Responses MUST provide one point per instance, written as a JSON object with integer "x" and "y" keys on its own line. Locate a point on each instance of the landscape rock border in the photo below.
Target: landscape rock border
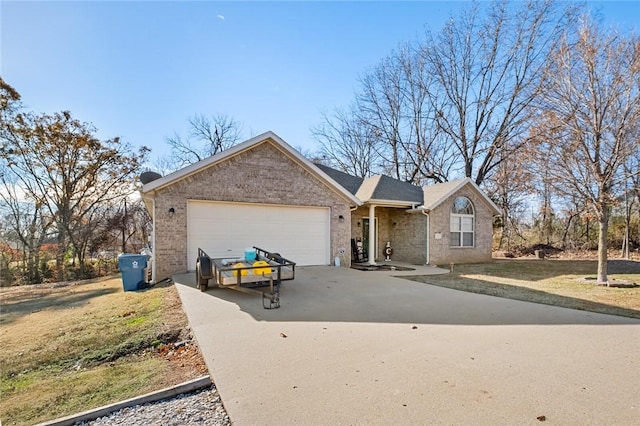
{"x": 186, "y": 387}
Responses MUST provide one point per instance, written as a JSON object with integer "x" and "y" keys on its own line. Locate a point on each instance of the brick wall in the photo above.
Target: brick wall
{"x": 263, "y": 174}
{"x": 409, "y": 237}
{"x": 441, "y": 252}
{"x": 406, "y": 233}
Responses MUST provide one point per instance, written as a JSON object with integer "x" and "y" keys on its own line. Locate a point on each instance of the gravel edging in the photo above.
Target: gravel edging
{"x": 200, "y": 391}
{"x": 202, "y": 407}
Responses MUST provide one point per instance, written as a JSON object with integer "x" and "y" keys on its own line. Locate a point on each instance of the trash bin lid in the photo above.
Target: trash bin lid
{"x": 128, "y": 259}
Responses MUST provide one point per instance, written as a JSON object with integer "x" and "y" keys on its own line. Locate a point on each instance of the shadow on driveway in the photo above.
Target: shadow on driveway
{"x": 326, "y": 294}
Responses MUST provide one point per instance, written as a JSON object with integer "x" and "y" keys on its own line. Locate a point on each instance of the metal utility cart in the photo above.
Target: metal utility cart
{"x": 262, "y": 276}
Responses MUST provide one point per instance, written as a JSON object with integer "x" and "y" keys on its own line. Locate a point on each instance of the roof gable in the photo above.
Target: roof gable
{"x": 366, "y": 190}
{"x": 434, "y": 195}
{"x": 267, "y": 137}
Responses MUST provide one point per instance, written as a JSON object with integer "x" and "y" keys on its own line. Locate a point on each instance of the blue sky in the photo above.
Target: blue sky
{"x": 138, "y": 69}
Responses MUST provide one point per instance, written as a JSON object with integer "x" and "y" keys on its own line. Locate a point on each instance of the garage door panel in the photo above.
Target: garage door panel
{"x": 226, "y": 229}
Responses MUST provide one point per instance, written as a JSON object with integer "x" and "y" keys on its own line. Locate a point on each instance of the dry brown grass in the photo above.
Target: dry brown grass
{"x": 566, "y": 283}
{"x": 66, "y": 348}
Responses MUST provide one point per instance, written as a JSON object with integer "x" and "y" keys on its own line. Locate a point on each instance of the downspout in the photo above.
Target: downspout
{"x": 153, "y": 243}
{"x": 153, "y": 239}
{"x": 428, "y": 235}
{"x": 350, "y": 254}
{"x": 372, "y": 234}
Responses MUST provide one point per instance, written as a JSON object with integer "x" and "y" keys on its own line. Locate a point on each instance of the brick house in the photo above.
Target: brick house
{"x": 264, "y": 193}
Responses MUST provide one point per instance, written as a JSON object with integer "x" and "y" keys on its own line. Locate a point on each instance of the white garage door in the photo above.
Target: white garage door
{"x": 300, "y": 234}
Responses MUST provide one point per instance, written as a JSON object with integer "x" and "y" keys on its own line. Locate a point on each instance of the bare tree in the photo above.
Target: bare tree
{"x": 631, "y": 198}
{"x": 28, "y": 221}
{"x": 206, "y": 137}
{"x": 593, "y": 92}
{"x": 347, "y": 144}
{"x": 487, "y": 69}
{"x": 393, "y": 105}
{"x": 123, "y": 223}
{"x": 575, "y": 208}
{"x": 427, "y": 154}
{"x": 509, "y": 187}
{"x": 458, "y": 102}
{"x": 162, "y": 164}
{"x": 543, "y": 183}
{"x": 380, "y": 107}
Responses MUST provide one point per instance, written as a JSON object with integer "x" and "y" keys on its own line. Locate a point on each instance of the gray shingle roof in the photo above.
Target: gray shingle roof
{"x": 377, "y": 187}
{"x": 348, "y": 182}
{"x": 385, "y": 188}
{"x": 392, "y": 189}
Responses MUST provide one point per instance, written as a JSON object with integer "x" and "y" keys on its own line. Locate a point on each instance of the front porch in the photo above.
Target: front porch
{"x": 406, "y": 232}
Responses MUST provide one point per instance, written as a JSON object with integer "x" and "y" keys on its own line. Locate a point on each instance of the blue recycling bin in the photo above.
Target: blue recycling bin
{"x": 133, "y": 269}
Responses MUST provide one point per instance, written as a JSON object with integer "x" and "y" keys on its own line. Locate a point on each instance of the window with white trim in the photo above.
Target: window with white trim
{"x": 462, "y": 223}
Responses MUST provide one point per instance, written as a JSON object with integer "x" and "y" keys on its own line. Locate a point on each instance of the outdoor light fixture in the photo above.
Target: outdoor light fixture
{"x": 341, "y": 218}
{"x": 172, "y": 211}
{"x": 358, "y": 224}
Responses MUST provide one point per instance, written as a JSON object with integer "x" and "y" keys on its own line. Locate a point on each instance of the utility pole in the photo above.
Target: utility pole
{"x": 124, "y": 227}
{"x": 627, "y": 221}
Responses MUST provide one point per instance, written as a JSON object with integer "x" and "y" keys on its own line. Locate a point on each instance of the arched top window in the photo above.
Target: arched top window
{"x": 462, "y": 223}
{"x": 462, "y": 205}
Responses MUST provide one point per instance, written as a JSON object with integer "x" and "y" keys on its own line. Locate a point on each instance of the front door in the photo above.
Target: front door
{"x": 365, "y": 237}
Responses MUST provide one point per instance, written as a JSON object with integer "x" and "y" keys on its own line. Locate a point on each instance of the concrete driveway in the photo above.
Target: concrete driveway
{"x": 354, "y": 347}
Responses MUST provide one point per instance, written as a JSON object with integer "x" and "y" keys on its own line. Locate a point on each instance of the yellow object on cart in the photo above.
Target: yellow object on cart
{"x": 242, "y": 271}
{"x": 261, "y": 271}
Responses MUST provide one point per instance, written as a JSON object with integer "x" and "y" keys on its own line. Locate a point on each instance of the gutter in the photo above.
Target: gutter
{"x": 389, "y": 203}
{"x": 418, "y": 209}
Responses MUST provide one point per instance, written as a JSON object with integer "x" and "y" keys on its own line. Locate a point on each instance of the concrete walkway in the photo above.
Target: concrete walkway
{"x": 354, "y": 347}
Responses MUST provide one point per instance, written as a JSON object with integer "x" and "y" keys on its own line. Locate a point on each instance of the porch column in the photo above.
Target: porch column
{"x": 372, "y": 235}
